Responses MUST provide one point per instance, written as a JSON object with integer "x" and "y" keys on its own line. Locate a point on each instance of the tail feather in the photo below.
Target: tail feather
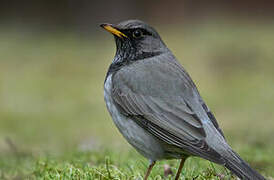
{"x": 241, "y": 169}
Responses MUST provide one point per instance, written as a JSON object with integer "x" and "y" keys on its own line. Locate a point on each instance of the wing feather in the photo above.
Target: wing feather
{"x": 166, "y": 103}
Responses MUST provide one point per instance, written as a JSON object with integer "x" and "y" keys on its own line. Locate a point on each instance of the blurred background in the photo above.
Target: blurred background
{"x": 54, "y": 57}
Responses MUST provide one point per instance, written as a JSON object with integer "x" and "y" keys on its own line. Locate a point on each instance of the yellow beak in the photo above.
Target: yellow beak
{"x": 113, "y": 30}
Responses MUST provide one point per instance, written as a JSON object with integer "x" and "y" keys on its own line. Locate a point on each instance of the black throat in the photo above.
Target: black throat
{"x": 120, "y": 61}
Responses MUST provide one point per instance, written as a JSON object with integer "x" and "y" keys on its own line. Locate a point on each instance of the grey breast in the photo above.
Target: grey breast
{"x": 141, "y": 140}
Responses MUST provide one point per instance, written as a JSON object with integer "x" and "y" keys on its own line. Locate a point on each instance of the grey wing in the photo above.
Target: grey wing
{"x": 169, "y": 118}
{"x": 212, "y": 118}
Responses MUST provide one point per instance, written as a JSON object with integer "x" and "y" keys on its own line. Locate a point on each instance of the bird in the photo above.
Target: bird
{"x": 156, "y": 106}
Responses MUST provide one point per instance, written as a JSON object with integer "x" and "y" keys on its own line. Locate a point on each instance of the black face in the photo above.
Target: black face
{"x": 136, "y": 33}
{"x": 141, "y": 41}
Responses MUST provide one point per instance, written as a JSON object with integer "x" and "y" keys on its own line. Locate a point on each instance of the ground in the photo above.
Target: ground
{"x": 54, "y": 124}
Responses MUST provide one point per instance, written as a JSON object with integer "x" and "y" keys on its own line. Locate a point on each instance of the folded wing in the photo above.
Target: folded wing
{"x": 161, "y": 97}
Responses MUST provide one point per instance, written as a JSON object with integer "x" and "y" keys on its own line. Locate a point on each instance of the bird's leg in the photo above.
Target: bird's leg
{"x": 151, "y": 164}
{"x": 180, "y": 168}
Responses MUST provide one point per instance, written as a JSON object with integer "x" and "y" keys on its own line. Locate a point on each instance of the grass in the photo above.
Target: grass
{"x": 54, "y": 124}
{"x": 103, "y": 165}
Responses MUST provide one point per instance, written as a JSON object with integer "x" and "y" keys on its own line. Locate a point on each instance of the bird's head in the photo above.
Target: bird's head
{"x": 135, "y": 40}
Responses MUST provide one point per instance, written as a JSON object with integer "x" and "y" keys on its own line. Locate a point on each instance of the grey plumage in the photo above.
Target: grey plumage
{"x": 157, "y": 107}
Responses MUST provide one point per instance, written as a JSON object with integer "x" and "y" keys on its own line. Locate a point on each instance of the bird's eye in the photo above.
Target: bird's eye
{"x": 137, "y": 33}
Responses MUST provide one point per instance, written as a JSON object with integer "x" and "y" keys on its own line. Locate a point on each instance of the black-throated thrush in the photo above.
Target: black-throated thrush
{"x": 157, "y": 107}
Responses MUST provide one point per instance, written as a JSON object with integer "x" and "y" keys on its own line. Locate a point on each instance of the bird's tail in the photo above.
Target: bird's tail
{"x": 241, "y": 169}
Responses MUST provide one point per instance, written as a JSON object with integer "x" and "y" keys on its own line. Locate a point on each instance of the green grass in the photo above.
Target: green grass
{"x": 54, "y": 124}
{"x": 103, "y": 165}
